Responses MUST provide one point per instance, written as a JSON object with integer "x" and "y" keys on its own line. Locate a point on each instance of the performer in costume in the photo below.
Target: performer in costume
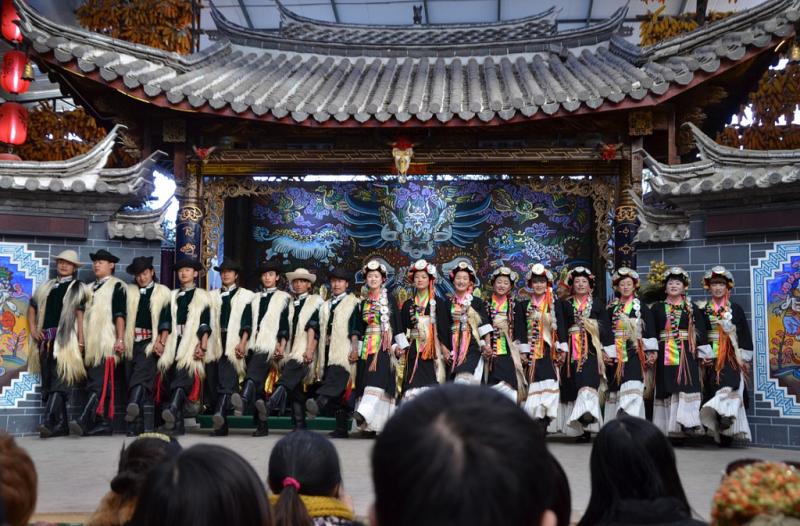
{"x": 376, "y": 383}
{"x": 676, "y": 409}
{"x": 583, "y": 373}
{"x": 631, "y": 347}
{"x": 539, "y": 329}
{"x": 296, "y": 364}
{"x": 104, "y": 327}
{"x": 337, "y": 355}
{"x": 421, "y": 362}
{"x": 725, "y": 368}
{"x": 55, "y": 343}
{"x": 145, "y": 338}
{"x": 231, "y": 328}
{"x": 270, "y": 325}
{"x": 503, "y": 370}
{"x": 188, "y": 343}
{"x": 469, "y": 327}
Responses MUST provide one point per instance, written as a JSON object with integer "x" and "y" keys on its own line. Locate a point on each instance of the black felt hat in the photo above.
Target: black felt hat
{"x": 341, "y": 273}
{"x": 229, "y": 264}
{"x": 268, "y": 266}
{"x": 188, "y": 263}
{"x": 103, "y": 255}
{"x": 139, "y": 265}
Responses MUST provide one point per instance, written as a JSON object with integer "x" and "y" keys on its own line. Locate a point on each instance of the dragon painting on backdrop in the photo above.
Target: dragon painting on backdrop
{"x": 482, "y": 222}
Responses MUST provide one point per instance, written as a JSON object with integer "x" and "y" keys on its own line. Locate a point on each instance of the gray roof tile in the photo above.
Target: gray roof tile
{"x": 339, "y": 75}
{"x": 721, "y": 171}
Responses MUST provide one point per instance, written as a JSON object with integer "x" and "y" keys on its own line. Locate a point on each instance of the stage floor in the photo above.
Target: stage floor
{"x": 74, "y": 473}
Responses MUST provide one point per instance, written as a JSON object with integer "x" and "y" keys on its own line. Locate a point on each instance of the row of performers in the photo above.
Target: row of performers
{"x": 268, "y": 350}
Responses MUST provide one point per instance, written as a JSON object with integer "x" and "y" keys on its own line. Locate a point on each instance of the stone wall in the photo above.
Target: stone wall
{"x": 738, "y": 254}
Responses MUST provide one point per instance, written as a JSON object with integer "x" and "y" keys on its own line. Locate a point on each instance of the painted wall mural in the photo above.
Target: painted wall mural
{"x": 776, "y": 308}
{"x": 486, "y": 223}
{"x": 20, "y": 274}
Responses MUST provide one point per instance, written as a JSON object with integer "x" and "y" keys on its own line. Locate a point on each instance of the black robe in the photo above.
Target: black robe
{"x": 543, "y": 368}
{"x": 425, "y": 372}
{"x": 730, "y": 374}
{"x": 668, "y": 381}
{"x": 470, "y": 362}
{"x": 632, "y": 368}
{"x": 383, "y": 377}
{"x": 574, "y": 375}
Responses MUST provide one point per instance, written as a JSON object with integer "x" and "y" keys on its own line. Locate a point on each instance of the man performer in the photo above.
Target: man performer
{"x": 304, "y": 334}
{"x": 55, "y": 318}
{"x": 146, "y": 334}
{"x": 337, "y": 353}
{"x": 188, "y": 343}
{"x": 104, "y": 327}
{"x": 270, "y": 326}
{"x": 231, "y": 327}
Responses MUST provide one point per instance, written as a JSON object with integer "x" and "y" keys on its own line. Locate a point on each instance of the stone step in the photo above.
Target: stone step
{"x": 275, "y": 422}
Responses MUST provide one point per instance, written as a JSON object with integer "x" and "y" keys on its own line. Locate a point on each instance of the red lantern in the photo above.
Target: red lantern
{"x": 13, "y": 123}
{"x": 11, "y": 76}
{"x": 9, "y": 157}
{"x": 8, "y": 17}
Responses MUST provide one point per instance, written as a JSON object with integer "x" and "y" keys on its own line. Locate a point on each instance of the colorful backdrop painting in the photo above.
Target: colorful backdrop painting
{"x": 20, "y": 274}
{"x": 486, "y": 223}
{"x": 776, "y": 308}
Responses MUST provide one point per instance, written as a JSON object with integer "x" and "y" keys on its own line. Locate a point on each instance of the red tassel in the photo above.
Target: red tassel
{"x": 108, "y": 381}
{"x": 157, "y": 389}
{"x": 194, "y": 395}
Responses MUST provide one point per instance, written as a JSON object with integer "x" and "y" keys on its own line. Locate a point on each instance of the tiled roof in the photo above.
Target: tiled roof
{"x": 331, "y": 81}
{"x": 84, "y": 173}
{"x": 721, "y": 173}
{"x": 138, "y": 224}
{"x": 533, "y": 33}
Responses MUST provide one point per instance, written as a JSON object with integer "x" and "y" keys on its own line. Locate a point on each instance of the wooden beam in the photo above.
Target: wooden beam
{"x": 246, "y": 14}
{"x": 425, "y": 9}
{"x": 589, "y": 12}
{"x": 499, "y": 8}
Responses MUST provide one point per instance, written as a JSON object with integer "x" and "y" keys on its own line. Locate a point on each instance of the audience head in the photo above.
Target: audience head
{"x": 204, "y": 485}
{"x": 764, "y": 492}
{"x": 452, "y": 456}
{"x": 560, "y": 498}
{"x": 302, "y": 463}
{"x": 631, "y": 460}
{"x": 17, "y": 483}
{"x": 138, "y": 459}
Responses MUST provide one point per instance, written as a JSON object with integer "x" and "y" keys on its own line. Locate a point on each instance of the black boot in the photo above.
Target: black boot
{"x": 135, "y": 428}
{"x": 220, "y": 419}
{"x": 55, "y": 418}
{"x": 262, "y": 428}
{"x": 103, "y": 427}
{"x": 340, "y": 431}
{"x": 241, "y": 402}
{"x": 81, "y": 425}
{"x": 278, "y": 399}
{"x": 315, "y": 407}
{"x": 173, "y": 414}
{"x": 134, "y": 409}
{"x": 298, "y": 415}
{"x": 587, "y": 419}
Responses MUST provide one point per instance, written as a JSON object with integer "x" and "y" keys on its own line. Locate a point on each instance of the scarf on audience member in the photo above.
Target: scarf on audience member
{"x": 319, "y": 506}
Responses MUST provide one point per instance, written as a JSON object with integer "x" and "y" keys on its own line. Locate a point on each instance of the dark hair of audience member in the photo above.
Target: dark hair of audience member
{"x": 204, "y": 485}
{"x": 311, "y": 460}
{"x": 631, "y": 460}
{"x": 560, "y": 499}
{"x": 137, "y": 459}
{"x": 460, "y": 455}
{"x": 17, "y": 483}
